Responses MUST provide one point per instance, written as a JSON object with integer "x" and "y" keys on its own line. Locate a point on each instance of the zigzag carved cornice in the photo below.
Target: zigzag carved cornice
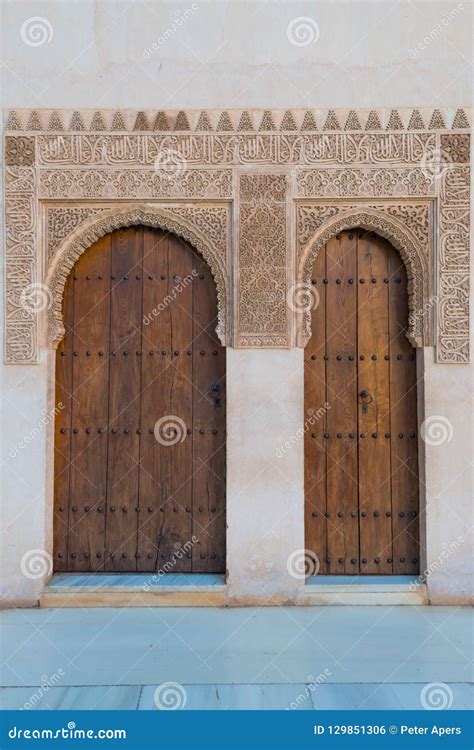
{"x": 238, "y": 121}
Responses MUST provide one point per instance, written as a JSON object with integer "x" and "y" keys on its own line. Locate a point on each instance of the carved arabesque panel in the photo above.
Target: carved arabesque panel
{"x": 405, "y": 173}
{"x": 262, "y": 261}
{"x": 204, "y": 227}
{"x": 401, "y": 224}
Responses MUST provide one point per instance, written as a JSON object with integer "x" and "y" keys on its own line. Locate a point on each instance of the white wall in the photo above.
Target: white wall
{"x": 236, "y": 54}
{"x": 449, "y": 482}
{"x": 265, "y": 480}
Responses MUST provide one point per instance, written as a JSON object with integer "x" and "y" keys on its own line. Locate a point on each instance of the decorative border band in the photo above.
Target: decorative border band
{"x": 256, "y": 192}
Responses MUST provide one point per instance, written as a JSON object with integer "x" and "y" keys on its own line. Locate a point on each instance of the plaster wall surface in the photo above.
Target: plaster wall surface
{"x": 265, "y": 445}
{"x": 226, "y": 55}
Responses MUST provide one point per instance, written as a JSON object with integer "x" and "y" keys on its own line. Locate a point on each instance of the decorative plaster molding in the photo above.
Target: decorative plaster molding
{"x": 389, "y": 168}
{"x": 204, "y": 227}
{"x": 406, "y": 227}
{"x": 262, "y": 261}
{"x": 61, "y": 222}
{"x": 257, "y": 120}
{"x": 369, "y": 182}
{"x": 135, "y": 183}
{"x": 453, "y": 266}
{"x": 224, "y": 149}
{"x": 21, "y": 263}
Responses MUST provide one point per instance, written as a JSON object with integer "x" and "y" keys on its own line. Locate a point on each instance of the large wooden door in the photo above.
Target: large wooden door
{"x": 361, "y": 467}
{"x": 140, "y": 397}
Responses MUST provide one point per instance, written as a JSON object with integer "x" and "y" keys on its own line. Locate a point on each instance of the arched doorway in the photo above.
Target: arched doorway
{"x": 140, "y": 398}
{"x": 361, "y": 456}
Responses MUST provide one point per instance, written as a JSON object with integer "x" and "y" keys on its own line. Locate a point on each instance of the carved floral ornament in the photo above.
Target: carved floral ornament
{"x": 187, "y": 223}
{"x": 245, "y": 188}
{"x": 374, "y": 219}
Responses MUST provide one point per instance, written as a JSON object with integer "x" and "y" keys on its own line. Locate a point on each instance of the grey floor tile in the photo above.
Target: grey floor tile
{"x": 247, "y": 645}
{"x": 226, "y": 697}
{"x": 398, "y": 696}
{"x": 99, "y": 697}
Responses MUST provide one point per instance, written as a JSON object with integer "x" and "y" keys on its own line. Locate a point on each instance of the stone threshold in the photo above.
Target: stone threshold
{"x": 134, "y": 590}
{"x": 365, "y": 590}
{"x": 210, "y": 590}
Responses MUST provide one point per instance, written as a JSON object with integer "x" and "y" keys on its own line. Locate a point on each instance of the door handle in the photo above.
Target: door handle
{"x": 366, "y": 399}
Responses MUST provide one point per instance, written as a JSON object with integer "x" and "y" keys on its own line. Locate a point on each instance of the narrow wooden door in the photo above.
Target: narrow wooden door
{"x": 361, "y": 466}
{"x": 140, "y": 400}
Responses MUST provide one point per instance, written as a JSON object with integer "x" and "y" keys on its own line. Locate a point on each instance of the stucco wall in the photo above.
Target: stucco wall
{"x": 232, "y": 54}
{"x": 265, "y": 509}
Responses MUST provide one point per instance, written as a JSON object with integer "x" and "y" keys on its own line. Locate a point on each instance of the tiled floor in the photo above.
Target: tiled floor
{"x": 300, "y": 697}
{"x": 304, "y": 657}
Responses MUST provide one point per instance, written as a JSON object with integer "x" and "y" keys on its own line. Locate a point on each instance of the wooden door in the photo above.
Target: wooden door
{"x": 361, "y": 466}
{"x": 140, "y": 398}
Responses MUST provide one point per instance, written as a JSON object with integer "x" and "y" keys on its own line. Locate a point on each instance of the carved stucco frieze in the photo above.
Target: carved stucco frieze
{"x": 371, "y": 183}
{"x": 61, "y": 222}
{"x": 405, "y": 226}
{"x": 67, "y": 170}
{"x": 21, "y": 264}
{"x": 206, "y": 228}
{"x": 109, "y": 150}
{"x": 136, "y": 183}
{"x": 262, "y": 261}
{"x": 237, "y": 121}
{"x": 453, "y": 266}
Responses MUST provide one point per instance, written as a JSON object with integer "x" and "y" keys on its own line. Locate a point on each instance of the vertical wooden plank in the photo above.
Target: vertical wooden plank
{"x": 374, "y": 422}
{"x": 124, "y": 399}
{"x": 166, "y": 464}
{"x": 314, "y": 399}
{"x": 341, "y": 421}
{"x": 180, "y": 405}
{"x": 403, "y": 426}
{"x": 155, "y": 387}
{"x": 62, "y": 432}
{"x": 90, "y": 374}
{"x": 209, "y": 428}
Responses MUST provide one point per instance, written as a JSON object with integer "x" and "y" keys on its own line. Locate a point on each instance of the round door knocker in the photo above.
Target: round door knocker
{"x": 365, "y": 398}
